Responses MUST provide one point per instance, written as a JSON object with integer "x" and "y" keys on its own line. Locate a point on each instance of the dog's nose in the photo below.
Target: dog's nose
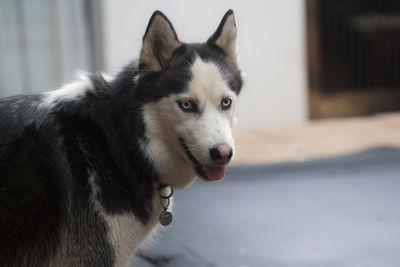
{"x": 221, "y": 154}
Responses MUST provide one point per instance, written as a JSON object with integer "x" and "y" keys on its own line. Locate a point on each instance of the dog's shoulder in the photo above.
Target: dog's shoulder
{"x": 16, "y": 113}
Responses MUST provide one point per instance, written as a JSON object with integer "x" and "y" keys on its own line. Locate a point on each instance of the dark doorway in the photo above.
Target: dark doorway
{"x": 353, "y": 57}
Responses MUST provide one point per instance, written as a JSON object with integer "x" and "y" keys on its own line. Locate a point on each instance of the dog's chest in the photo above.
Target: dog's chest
{"x": 127, "y": 233}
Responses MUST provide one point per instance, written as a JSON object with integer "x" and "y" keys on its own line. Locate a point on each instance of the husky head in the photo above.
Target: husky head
{"x": 190, "y": 94}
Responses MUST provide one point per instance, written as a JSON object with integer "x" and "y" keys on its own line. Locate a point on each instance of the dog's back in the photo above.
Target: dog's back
{"x": 70, "y": 195}
{"x": 44, "y": 202}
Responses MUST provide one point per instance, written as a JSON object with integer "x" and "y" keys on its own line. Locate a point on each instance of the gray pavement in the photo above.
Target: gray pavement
{"x": 339, "y": 212}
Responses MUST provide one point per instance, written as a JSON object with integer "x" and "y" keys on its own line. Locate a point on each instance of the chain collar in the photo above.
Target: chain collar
{"x": 165, "y": 192}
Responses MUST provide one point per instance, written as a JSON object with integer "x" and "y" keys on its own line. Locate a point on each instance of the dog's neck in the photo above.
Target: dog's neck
{"x": 173, "y": 169}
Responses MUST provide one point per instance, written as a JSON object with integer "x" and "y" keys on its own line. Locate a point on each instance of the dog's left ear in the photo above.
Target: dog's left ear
{"x": 159, "y": 42}
{"x": 225, "y": 36}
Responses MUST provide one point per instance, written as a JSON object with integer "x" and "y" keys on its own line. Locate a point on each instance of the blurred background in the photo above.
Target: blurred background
{"x": 319, "y": 111}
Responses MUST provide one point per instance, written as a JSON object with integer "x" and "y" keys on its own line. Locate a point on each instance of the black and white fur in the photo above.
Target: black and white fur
{"x": 80, "y": 166}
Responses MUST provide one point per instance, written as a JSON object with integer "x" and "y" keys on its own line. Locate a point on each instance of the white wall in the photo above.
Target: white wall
{"x": 270, "y": 40}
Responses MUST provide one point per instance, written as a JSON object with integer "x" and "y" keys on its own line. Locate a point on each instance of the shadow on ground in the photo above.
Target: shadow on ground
{"x": 335, "y": 212}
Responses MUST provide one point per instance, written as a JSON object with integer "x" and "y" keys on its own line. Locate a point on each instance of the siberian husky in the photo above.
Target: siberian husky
{"x": 86, "y": 171}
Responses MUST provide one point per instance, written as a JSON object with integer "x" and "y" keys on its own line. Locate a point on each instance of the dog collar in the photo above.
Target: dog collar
{"x": 165, "y": 192}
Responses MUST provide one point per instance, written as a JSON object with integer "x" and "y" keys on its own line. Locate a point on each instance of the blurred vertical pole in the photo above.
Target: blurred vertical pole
{"x": 94, "y": 10}
{"x": 38, "y": 49}
{"x": 10, "y": 50}
{"x": 23, "y": 42}
{"x": 56, "y": 36}
{"x": 74, "y": 36}
{"x": 314, "y": 55}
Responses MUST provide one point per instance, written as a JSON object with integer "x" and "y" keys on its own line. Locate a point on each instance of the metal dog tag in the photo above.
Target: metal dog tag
{"x": 165, "y": 218}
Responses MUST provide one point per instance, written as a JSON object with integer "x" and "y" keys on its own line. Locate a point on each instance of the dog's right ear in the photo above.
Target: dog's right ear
{"x": 159, "y": 42}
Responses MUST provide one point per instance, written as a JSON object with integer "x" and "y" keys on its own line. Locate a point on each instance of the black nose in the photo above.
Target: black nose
{"x": 221, "y": 154}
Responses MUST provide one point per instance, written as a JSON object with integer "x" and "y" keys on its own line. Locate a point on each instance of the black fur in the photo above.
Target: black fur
{"x": 46, "y": 158}
{"x": 49, "y": 154}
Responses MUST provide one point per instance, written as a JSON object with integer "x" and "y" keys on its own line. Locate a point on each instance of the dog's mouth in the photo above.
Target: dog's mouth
{"x": 210, "y": 173}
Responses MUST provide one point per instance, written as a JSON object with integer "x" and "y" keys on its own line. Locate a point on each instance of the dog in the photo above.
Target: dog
{"x": 87, "y": 171}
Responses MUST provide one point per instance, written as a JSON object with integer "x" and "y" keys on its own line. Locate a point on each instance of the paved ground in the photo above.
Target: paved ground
{"x": 338, "y": 212}
{"x": 317, "y": 139}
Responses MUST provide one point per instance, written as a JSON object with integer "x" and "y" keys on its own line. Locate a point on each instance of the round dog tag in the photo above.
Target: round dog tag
{"x": 165, "y": 218}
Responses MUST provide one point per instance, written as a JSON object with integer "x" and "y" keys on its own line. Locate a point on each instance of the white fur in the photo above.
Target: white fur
{"x": 126, "y": 232}
{"x": 68, "y": 92}
{"x": 166, "y": 122}
{"x": 162, "y": 146}
{"x": 107, "y": 77}
{"x": 209, "y": 87}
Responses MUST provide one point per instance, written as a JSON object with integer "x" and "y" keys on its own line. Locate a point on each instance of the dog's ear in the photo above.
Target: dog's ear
{"x": 159, "y": 42}
{"x": 225, "y": 36}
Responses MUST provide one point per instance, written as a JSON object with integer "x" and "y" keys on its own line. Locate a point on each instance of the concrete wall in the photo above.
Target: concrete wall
{"x": 270, "y": 40}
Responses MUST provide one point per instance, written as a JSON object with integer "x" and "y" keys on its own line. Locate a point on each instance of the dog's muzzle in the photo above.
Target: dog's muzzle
{"x": 210, "y": 173}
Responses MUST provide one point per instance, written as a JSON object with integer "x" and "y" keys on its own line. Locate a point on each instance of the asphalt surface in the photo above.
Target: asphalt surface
{"x": 338, "y": 212}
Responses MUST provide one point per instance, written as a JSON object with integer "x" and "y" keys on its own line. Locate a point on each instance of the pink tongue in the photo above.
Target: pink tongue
{"x": 215, "y": 173}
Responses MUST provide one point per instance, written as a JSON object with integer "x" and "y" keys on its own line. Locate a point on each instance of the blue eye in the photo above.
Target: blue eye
{"x": 226, "y": 103}
{"x": 187, "y": 106}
